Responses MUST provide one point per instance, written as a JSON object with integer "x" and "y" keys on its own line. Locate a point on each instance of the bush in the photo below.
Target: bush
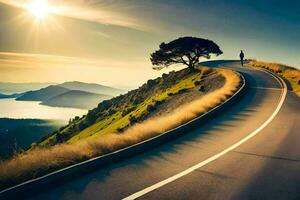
{"x": 201, "y": 88}
{"x": 60, "y": 137}
{"x": 120, "y": 130}
{"x": 132, "y": 120}
{"x": 82, "y": 126}
{"x": 150, "y": 108}
{"x": 157, "y": 102}
{"x": 197, "y": 83}
{"x": 111, "y": 111}
{"x": 164, "y": 76}
{"x": 128, "y": 110}
{"x": 151, "y": 83}
{"x": 182, "y": 90}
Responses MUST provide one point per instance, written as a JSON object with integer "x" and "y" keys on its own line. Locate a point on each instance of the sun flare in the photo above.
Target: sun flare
{"x": 39, "y": 8}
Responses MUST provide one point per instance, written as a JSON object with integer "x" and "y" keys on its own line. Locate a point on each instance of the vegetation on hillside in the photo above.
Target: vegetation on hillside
{"x": 39, "y": 161}
{"x": 117, "y": 114}
{"x": 289, "y": 73}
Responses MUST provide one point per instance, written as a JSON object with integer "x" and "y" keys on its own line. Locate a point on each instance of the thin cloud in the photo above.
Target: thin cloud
{"x": 43, "y": 60}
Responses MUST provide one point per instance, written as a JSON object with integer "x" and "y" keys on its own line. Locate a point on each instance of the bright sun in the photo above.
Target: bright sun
{"x": 39, "y": 8}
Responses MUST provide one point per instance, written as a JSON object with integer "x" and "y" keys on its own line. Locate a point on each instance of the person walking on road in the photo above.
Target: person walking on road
{"x": 242, "y": 55}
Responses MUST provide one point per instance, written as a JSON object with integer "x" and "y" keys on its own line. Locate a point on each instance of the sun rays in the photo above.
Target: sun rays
{"x": 39, "y": 9}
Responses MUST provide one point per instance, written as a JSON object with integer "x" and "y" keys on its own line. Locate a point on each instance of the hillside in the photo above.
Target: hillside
{"x": 123, "y": 121}
{"x": 92, "y": 87}
{"x": 43, "y": 94}
{"x": 76, "y": 99}
{"x": 119, "y": 113}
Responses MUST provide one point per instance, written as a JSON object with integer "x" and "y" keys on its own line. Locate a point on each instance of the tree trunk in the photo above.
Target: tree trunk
{"x": 191, "y": 67}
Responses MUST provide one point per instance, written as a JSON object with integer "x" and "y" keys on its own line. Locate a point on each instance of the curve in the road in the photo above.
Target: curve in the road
{"x": 222, "y": 153}
{"x": 130, "y": 150}
{"x": 251, "y": 171}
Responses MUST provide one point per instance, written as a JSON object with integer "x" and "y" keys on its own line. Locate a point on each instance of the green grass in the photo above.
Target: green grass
{"x": 112, "y": 123}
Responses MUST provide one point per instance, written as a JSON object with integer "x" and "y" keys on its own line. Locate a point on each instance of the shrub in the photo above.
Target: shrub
{"x": 120, "y": 129}
{"x": 197, "y": 83}
{"x": 60, "y": 137}
{"x": 201, "y": 88}
{"x": 111, "y": 111}
{"x": 157, "y": 102}
{"x": 128, "y": 110}
{"x": 83, "y": 125}
{"x": 132, "y": 119}
{"x": 182, "y": 91}
{"x": 151, "y": 83}
{"x": 150, "y": 108}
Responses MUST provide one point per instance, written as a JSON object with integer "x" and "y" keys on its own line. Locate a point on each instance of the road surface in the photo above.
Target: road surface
{"x": 263, "y": 166}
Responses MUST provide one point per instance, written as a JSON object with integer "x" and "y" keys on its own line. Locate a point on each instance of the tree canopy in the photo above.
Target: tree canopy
{"x": 184, "y": 50}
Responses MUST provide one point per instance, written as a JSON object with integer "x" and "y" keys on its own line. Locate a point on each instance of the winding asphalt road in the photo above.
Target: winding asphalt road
{"x": 251, "y": 151}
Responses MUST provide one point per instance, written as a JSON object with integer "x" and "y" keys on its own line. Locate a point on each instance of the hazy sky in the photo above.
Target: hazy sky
{"x": 109, "y": 41}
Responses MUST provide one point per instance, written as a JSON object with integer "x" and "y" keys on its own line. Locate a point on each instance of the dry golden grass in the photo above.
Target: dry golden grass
{"x": 290, "y": 73}
{"x": 41, "y": 161}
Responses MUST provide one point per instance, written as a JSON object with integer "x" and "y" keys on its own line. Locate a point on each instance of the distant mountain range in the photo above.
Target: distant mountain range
{"x": 12, "y": 88}
{"x": 43, "y": 94}
{"x": 69, "y": 94}
{"x": 92, "y": 87}
{"x": 76, "y": 99}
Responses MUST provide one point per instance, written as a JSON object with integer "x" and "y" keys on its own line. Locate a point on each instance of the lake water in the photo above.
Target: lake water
{"x": 10, "y": 108}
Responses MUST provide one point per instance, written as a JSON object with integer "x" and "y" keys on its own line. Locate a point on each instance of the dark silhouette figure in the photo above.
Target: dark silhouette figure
{"x": 242, "y": 55}
{"x": 185, "y": 50}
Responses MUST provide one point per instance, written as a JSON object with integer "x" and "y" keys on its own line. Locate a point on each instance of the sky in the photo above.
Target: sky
{"x": 110, "y": 41}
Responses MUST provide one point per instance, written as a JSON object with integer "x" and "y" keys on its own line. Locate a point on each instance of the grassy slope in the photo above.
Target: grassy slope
{"x": 290, "y": 73}
{"x": 117, "y": 120}
{"x": 108, "y": 125}
{"x": 40, "y": 161}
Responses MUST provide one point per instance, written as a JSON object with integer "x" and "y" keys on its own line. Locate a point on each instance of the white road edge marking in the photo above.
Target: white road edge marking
{"x": 205, "y": 162}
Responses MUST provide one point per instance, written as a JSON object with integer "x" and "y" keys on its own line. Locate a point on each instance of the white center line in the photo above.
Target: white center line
{"x": 205, "y": 162}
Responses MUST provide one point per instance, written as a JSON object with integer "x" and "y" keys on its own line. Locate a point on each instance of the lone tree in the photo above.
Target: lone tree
{"x": 185, "y": 50}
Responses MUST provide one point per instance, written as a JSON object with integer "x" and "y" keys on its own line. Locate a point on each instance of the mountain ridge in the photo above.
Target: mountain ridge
{"x": 92, "y": 87}
{"x": 43, "y": 94}
{"x": 76, "y": 99}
